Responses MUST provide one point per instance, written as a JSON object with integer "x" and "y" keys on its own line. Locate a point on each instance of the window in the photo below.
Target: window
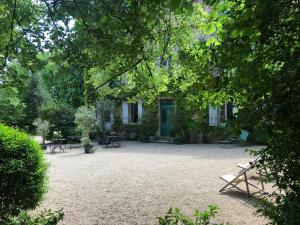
{"x": 219, "y": 116}
{"x": 133, "y": 112}
{"x": 223, "y": 113}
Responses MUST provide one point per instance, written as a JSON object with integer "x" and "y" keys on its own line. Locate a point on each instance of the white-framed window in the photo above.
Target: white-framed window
{"x": 218, "y": 116}
{"x": 132, "y": 112}
{"x": 223, "y": 114}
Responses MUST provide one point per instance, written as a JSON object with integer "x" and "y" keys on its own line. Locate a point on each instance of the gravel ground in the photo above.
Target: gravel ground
{"x": 136, "y": 183}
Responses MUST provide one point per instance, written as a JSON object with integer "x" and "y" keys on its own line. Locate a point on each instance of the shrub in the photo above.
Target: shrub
{"x": 57, "y": 135}
{"x": 176, "y": 217}
{"x": 46, "y": 217}
{"x": 60, "y": 115}
{"x": 118, "y": 125}
{"x": 22, "y": 172}
{"x": 179, "y": 131}
{"x": 42, "y": 128}
{"x": 131, "y": 131}
{"x": 104, "y": 108}
{"x": 148, "y": 126}
{"x": 85, "y": 119}
{"x": 178, "y": 139}
{"x": 85, "y": 141}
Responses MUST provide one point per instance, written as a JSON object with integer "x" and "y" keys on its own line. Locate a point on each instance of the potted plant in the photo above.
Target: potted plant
{"x": 88, "y": 147}
{"x": 178, "y": 139}
{"x": 85, "y": 119}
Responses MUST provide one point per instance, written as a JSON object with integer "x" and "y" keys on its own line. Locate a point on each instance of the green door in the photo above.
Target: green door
{"x": 166, "y": 117}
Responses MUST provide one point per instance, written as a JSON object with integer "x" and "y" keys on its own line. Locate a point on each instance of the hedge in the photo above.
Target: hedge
{"x": 22, "y": 172}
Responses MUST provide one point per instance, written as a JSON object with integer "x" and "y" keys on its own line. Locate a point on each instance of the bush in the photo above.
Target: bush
{"x": 178, "y": 139}
{"x": 179, "y": 131}
{"x": 42, "y": 128}
{"x": 131, "y": 131}
{"x": 60, "y": 115}
{"x": 118, "y": 125}
{"x": 57, "y": 135}
{"x": 46, "y": 217}
{"x": 85, "y": 141}
{"x": 22, "y": 172}
{"x": 176, "y": 217}
{"x": 284, "y": 211}
{"x": 104, "y": 107}
{"x": 85, "y": 119}
{"x": 148, "y": 126}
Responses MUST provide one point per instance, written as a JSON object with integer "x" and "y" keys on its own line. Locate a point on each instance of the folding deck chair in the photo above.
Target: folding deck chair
{"x": 263, "y": 173}
{"x": 243, "y": 176}
{"x": 249, "y": 164}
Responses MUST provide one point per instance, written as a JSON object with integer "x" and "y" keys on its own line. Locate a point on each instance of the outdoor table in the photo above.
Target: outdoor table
{"x": 74, "y": 141}
{"x": 57, "y": 144}
{"x": 113, "y": 139}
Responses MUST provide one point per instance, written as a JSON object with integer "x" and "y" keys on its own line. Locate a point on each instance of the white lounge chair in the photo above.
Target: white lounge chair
{"x": 243, "y": 176}
{"x": 259, "y": 172}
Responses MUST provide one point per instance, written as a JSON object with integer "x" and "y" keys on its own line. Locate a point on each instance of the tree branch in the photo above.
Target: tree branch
{"x": 167, "y": 38}
{"x": 11, "y": 35}
{"x": 120, "y": 73}
{"x": 151, "y": 75}
{"x": 55, "y": 26}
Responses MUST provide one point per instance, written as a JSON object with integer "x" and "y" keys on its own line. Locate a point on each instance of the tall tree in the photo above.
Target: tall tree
{"x": 11, "y": 108}
{"x": 33, "y": 99}
{"x": 258, "y": 60}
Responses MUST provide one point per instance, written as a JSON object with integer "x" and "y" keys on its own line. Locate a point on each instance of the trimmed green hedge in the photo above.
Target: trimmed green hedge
{"x": 22, "y": 172}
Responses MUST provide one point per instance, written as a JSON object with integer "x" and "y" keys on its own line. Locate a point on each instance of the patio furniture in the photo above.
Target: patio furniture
{"x": 261, "y": 172}
{"x": 74, "y": 139}
{"x": 57, "y": 144}
{"x": 112, "y": 141}
{"x": 228, "y": 141}
{"x": 243, "y": 176}
{"x": 74, "y": 142}
{"x": 248, "y": 164}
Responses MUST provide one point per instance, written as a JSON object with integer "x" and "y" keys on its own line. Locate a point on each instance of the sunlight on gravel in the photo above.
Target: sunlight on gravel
{"x": 136, "y": 183}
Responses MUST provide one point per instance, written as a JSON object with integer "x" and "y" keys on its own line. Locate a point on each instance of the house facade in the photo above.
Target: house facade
{"x": 131, "y": 114}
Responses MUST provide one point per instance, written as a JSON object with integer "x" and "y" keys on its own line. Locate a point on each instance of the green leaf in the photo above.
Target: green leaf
{"x": 210, "y": 29}
{"x": 175, "y": 4}
{"x": 235, "y": 33}
{"x": 188, "y": 7}
{"x": 210, "y": 41}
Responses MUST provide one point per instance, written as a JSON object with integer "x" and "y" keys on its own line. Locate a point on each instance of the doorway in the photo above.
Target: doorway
{"x": 166, "y": 117}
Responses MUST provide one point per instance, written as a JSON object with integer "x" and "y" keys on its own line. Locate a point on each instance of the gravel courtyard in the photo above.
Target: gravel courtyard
{"x": 136, "y": 183}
